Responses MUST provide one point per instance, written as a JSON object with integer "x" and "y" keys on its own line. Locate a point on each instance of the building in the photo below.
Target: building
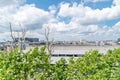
{"x": 118, "y": 41}
{"x": 31, "y": 39}
{"x": 27, "y": 39}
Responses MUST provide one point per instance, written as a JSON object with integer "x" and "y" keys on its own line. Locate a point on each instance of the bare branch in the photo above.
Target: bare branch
{"x": 49, "y": 44}
{"x": 20, "y": 38}
{"x": 23, "y": 32}
{"x": 12, "y": 36}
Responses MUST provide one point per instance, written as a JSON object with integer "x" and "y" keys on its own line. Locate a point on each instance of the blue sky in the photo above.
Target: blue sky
{"x": 69, "y": 20}
{"x": 44, "y": 4}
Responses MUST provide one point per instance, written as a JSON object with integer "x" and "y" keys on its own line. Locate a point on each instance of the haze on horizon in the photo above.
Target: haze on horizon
{"x": 69, "y": 20}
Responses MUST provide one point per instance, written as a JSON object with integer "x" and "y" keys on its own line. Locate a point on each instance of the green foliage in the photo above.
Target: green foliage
{"x": 24, "y": 66}
{"x": 35, "y": 65}
{"x": 59, "y": 70}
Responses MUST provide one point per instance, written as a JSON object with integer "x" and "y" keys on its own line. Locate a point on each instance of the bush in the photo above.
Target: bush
{"x": 35, "y": 64}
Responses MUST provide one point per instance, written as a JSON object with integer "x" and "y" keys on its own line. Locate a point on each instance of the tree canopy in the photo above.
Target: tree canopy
{"x": 35, "y": 65}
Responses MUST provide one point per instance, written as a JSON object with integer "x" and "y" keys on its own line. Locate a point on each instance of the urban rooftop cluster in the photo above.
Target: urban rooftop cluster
{"x": 82, "y": 42}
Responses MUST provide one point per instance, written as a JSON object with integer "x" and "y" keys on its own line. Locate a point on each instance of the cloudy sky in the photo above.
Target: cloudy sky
{"x": 68, "y": 19}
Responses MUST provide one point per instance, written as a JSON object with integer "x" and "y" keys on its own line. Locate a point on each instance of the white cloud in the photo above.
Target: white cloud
{"x": 6, "y": 11}
{"x": 94, "y": 1}
{"x": 5, "y": 36}
{"x": 31, "y": 16}
{"x": 83, "y": 20}
{"x": 116, "y": 2}
{"x": 10, "y": 2}
{"x": 87, "y": 15}
{"x": 75, "y": 31}
{"x": 116, "y": 27}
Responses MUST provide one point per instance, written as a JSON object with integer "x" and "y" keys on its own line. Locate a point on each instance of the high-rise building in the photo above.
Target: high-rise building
{"x": 28, "y": 39}
{"x": 118, "y": 41}
{"x": 31, "y": 39}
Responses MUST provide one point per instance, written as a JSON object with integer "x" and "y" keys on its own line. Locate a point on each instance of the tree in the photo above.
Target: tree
{"x": 20, "y": 38}
{"x": 33, "y": 64}
{"x": 59, "y": 70}
{"x": 49, "y": 44}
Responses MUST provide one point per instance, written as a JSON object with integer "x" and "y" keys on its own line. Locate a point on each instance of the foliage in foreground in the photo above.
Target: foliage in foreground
{"x": 35, "y": 65}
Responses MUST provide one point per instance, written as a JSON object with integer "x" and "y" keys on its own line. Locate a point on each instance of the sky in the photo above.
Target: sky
{"x": 68, "y": 20}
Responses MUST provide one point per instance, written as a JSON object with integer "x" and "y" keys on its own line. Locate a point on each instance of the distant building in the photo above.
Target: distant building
{"x": 42, "y": 42}
{"x": 118, "y": 41}
{"x": 31, "y": 39}
{"x": 28, "y": 39}
{"x": 83, "y": 42}
{"x": 99, "y": 43}
{"x": 110, "y": 42}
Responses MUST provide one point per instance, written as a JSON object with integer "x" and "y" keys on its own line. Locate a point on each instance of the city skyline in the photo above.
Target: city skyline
{"x": 67, "y": 19}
